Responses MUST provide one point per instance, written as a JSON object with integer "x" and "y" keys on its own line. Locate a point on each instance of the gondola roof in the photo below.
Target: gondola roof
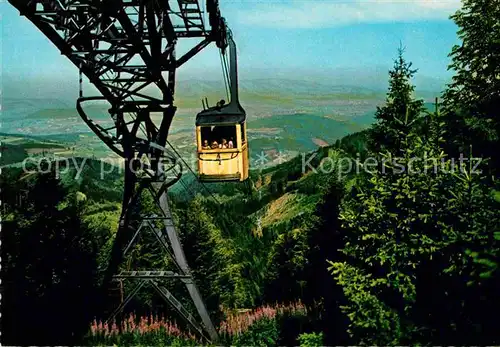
{"x": 221, "y": 116}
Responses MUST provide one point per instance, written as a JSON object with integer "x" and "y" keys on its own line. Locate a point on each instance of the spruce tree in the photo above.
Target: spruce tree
{"x": 386, "y": 134}
{"x": 472, "y": 100}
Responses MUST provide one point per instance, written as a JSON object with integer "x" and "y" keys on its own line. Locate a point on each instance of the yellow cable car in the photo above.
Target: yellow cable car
{"x": 221, "y": 136}
{"x": 222, "y": 146}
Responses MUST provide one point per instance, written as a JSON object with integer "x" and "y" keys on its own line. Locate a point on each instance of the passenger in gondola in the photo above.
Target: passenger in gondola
{"x": 205, "y": 145}
{"x": 230, "y": 144}
{"x": 215, "y": 145}
{"x": 223, "y": 145}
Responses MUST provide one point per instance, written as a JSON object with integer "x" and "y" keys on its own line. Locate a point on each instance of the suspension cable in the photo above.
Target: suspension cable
{"x": 187, "y": 188}
{"x": 191, "y": 170}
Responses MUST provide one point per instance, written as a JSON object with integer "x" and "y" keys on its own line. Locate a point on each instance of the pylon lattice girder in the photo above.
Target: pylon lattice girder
{"x": 127, "y": 50}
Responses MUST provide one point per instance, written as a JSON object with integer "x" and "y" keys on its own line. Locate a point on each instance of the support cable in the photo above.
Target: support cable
{"x": 226, "y": 69}
{"x": 224, "y": 75}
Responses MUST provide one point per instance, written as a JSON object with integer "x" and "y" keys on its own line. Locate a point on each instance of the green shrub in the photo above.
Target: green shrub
{"x": 311, "y": 339}
{"x": 263, "y": 332}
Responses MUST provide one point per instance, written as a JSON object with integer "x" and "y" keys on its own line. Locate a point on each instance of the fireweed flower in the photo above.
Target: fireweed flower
{"x": 236, "y": 323}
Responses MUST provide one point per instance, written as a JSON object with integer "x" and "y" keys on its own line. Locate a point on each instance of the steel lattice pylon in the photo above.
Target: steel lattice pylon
{"x": 127, "y": 50}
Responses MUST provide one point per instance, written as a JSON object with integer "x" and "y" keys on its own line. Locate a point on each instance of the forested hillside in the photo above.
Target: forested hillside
{"x": 390, "y": 236}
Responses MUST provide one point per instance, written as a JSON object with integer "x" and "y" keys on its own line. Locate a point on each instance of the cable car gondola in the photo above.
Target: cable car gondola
{"x": 221, "y": 135}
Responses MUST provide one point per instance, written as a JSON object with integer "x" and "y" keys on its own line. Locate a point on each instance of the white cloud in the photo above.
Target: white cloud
{"x": 332, "y": 13}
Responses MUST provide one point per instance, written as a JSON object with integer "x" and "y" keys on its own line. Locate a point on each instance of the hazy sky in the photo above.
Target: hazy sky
{"x": 296, "y": 38}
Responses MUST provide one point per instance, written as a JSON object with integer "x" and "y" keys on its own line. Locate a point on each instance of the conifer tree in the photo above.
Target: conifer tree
{"x": 390, "y": 127}
{"x": 407, "y": 231}
{"x": 50, "y": 268}
{"x": 472, "y": 100}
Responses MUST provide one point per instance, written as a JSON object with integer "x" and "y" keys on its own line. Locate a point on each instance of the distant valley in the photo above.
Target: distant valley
{"x": 285, "y": 117}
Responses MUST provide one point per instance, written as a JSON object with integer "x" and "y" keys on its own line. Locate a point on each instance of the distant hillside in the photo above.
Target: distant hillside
{"x": 293, "y": 87}
{"x": 298, "y": 132}
{"x": 15, "y": 149}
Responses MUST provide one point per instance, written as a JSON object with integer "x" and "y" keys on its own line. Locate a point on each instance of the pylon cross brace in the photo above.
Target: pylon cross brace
{"x": 171, "y": 246}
